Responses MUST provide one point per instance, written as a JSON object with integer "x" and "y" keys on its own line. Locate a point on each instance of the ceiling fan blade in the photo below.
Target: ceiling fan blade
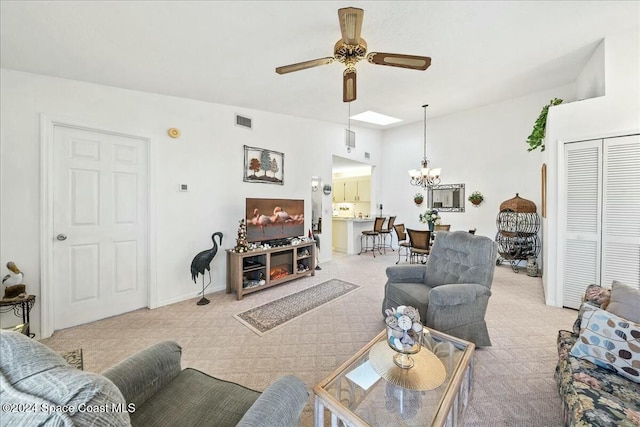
{"x": 399, "y": 60}
{"x": 304, "y": 65}
{"x": 349, "y": 85}
{"x": 351, "y": 24}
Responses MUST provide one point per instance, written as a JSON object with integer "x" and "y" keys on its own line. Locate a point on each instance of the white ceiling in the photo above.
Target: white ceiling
{"x": 226, "y": 52}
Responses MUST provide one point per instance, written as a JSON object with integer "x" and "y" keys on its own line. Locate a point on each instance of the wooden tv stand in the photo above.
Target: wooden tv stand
{"x": 274, "y": 266}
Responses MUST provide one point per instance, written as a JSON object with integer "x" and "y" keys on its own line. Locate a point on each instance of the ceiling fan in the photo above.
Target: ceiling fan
{"x": 351, "y": 49}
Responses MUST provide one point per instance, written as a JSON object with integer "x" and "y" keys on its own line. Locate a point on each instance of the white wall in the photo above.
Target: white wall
{"x": 483, "y": 148}
{"x": 616, "y": 113}
{"x": 208, "y": 156}
{"x": 591, "y": 81}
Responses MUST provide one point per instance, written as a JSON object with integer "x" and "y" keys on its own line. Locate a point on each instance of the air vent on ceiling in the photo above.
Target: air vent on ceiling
{"x": 367, "y": 155}
{"x": 244, "y": 122}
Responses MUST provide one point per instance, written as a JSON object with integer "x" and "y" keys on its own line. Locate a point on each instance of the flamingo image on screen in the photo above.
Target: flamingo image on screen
{"x": 270, "y": 219}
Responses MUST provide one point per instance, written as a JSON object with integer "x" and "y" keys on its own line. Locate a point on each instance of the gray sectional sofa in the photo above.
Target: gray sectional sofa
{"x": 149, "y": 388}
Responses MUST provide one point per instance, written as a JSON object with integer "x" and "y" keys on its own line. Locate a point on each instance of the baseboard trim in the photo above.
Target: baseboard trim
{"x": 184, "y": 297}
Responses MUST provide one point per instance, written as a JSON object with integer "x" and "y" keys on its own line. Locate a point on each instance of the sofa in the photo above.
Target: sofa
{"x": 451, "y": 292}
{"x": 594, "y": 391}
{"x": 149, "y": 388}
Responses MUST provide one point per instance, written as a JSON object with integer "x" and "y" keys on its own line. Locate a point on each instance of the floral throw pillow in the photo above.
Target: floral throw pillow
{"x": 610, "y": 342}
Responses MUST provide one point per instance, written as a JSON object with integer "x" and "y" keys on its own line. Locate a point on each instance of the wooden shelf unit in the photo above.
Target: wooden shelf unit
{"x": 250, "y": 267}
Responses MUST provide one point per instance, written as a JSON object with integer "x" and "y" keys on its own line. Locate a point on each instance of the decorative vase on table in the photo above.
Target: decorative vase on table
{"x": 430, "y": 217}
{"x": 404, "y": 334}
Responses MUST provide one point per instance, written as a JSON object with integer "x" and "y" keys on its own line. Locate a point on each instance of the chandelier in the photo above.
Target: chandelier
{"x": 425, "y": 176}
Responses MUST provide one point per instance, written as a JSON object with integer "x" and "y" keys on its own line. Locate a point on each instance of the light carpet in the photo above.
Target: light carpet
{"x": 275, "y": 314}
{"x": 513, "y": 379}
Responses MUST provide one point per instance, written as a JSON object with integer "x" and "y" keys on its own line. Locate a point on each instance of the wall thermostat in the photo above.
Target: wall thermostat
{"x": 183, "y": 187}
{"x": 326, "y": 189}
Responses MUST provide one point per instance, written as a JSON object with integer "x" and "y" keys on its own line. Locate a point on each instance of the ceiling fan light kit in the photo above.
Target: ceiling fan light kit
{"x": 351, "y": 49}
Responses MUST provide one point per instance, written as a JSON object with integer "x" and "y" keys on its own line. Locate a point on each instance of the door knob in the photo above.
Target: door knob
{"x": 61, "y": 237}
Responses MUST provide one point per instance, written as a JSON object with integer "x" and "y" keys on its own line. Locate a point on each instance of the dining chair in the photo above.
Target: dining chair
{"x": 420, "y": 245}
{"x": 442, "y": 227}
{"x": 403, "y": 243}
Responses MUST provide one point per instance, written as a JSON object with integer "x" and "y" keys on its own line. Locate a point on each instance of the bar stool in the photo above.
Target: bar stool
{"x": 387, "y": 232}
{"x": 373, "y": 235}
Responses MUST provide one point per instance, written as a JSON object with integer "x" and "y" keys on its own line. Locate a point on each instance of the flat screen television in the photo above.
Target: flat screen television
{"x": 273, "y": 219}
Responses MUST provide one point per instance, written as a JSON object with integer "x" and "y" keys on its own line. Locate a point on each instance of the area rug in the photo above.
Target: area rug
{"x": 73, "y": 358}
{"x": 274, "y": 314}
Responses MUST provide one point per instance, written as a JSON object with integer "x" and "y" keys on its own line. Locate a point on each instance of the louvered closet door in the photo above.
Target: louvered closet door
{"x": 621, "y": 211}
{"x": 583, "y": 219}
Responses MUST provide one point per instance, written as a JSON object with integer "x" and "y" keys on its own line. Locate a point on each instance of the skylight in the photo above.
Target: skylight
{"x": 375, "y": 118}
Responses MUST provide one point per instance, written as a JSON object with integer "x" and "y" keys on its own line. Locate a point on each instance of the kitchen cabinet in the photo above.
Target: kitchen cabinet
{"x": 352, "y": 190}
{"x": 338, "y": 191}
{"x": 363, "y": 187}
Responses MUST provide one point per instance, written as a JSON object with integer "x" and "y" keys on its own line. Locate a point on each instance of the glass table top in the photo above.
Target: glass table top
{"x": 357, "y": 393}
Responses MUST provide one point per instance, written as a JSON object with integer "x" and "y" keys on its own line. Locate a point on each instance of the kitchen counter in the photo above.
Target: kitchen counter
{"x": 347, "y": 231}
{"x": 346, "y": 218}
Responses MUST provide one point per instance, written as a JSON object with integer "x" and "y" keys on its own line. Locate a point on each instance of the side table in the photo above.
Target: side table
{"x": 21, "y": 307}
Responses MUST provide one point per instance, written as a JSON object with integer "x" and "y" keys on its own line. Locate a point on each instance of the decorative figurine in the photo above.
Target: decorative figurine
{"x": 202, "y": 262}
{"x": 14, "y": 288}
{"x": 241, "y": 241}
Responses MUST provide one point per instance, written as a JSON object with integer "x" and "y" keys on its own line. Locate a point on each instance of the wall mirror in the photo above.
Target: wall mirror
{"x": 446, "y": 197}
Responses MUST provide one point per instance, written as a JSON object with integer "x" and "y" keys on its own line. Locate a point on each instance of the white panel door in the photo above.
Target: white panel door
{"x": 621, "y": 211}
{"x": 582, "y": 222}
{"x": 100, "y": 222}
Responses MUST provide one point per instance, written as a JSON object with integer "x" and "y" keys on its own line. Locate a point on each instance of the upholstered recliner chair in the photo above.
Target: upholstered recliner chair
{"x": 452, "y": 290}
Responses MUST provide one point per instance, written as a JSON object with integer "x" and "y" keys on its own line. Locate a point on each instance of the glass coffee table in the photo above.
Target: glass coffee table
{"x": 356, "y": 395}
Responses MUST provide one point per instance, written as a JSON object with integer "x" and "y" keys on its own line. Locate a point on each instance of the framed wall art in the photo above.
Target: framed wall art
{"x": 544, "y": 190}
{"x": 263, "y": 166}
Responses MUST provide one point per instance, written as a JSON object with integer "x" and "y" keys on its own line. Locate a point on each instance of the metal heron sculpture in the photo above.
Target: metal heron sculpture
{"x": 202, "y": 262}
{"x": 316, "y": 237}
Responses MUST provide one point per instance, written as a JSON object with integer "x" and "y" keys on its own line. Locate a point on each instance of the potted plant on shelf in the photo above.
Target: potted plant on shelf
{"x": 418, "y": 198}
{"x": 476, "y": 198}
{"x": 536, "y": 138}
